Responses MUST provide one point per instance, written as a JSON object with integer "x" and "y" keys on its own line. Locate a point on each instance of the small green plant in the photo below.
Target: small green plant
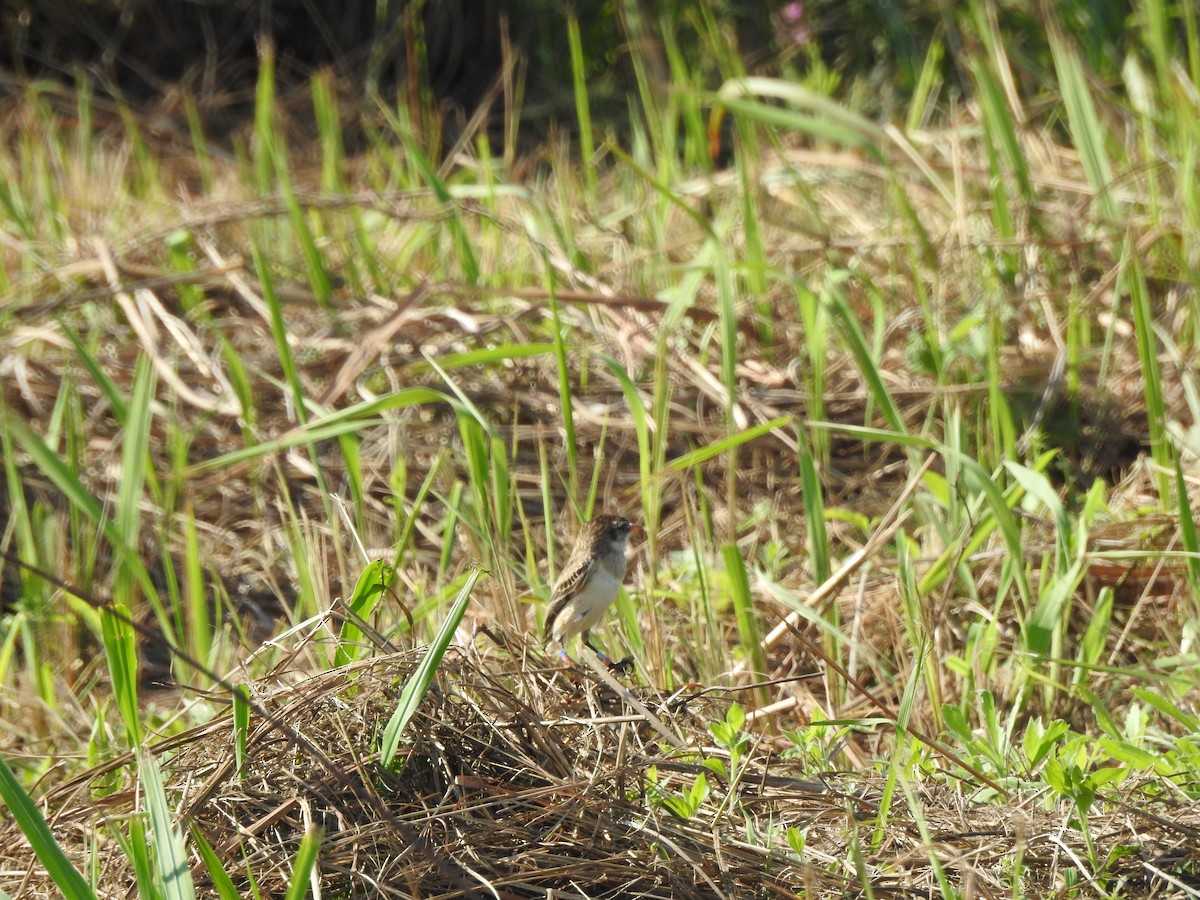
{"x": 687, "y": 802}
{"x": 816, "y": 743}
{"x": 729, "y": 736}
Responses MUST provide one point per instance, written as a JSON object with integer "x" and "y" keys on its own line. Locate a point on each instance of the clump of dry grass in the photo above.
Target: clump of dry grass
{"x": 522, "y": 779}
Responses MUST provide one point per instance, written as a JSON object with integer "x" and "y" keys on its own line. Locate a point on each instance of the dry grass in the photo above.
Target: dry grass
{"x": 524, "y": 778}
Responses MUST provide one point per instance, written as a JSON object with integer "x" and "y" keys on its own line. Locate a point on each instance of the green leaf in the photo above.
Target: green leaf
{"x": 226, "y": 889}
{"x": 241, "y": 725}
{"x": 1038, "y": 743}
{"x": 418, "y": 683}
{"x": 735, "y": 718}
{"x": 120, "y": 650}
{"x": 1052, "y": 607}
{"x": 33, "y": 825}
{"x": 304, "y": 863}
{"x": 716, "y": 448}
{"x": 367, "y": 593}
{"x": 1128, "y": 753}
{"x": 1157, "y": 700}
{"x": 170, "y": 857}
{"x": 745, "y": 612}
{"x": 956, "y": 724}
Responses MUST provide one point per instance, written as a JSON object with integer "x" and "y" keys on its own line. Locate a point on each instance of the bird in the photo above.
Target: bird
{"x": 589, "y": 584}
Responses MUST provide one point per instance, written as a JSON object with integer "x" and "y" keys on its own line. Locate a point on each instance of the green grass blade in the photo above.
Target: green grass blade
{"x": 1148, "y": 352}
{"x": 303, "y": 864}
{"x": 279, "y": 330}
{"x": 641, "y": 425}
{"x": 370, "y": 588}
{"x": 135, "y": 454}
{"x": 100, "y": 378}
{"x": 745, "y": 613}
{"x": 170, "y": 856}
{"x": 703, "y": 454}
{"x": 120, "y": 651}
{"x": 224, "y": 885}
{"x": 343, "y": 421}
{"x": 1083, "y": 121}
{"x": 814, "y": 509}
{"x": 240, "y": 696}
{"x": 418, "y": 683}
{"x": 587, "y": 146}
{"x": 852, "y": 330}
{"x": 33, "y": 825}
{"x": 1187, "y": 531}
{"x": 566, "y": 403}
{"x": 137, "y": 849}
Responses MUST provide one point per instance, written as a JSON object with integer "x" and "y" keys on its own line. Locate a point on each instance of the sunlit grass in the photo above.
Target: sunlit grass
{"x": 752, "y": 363}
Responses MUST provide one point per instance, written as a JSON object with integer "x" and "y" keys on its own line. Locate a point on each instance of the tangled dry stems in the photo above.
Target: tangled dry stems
{"x": 521, "y": 778}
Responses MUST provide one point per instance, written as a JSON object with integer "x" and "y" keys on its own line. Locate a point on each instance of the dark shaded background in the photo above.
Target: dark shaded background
{"x": 139, "y": 49}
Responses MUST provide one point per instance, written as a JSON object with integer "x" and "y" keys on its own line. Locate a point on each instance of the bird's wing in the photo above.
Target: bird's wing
{"x": 566, "y": 588}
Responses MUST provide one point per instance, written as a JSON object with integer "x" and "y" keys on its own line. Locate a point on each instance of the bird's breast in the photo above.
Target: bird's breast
{"x": 587, "y": 607}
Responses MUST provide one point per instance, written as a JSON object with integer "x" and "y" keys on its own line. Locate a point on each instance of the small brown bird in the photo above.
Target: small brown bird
{"x": 589, "y": 584}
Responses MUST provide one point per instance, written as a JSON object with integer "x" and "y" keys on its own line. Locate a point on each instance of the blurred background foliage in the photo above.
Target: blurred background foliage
{"x": 454, "y": 50}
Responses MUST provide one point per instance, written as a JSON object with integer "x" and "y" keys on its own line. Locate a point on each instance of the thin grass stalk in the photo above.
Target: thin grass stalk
{"x": 867, "y": 361}
{"x": 453, "y": 512}
{"x": 1187, "y": 532}
{"x": 647, "y": 477}
{"x": 684, "y": 102}
{"x": 413, "y": 514}
{"x": 239, "y": 696}
{"x": 707, "y": 638}
{"x": 83, "y": 146}
{"x": 729, "y": 346}
{"x": 15, "y": 630}
{"x": 200, "y": 152}
{"x": 814, "y": 511}
{"x": 318, "y": 274}
{"x": 266, "y": 133}
{"x": 1001, "y": 145}
{"x": 565, "y": 401}
{"x": 753, "y": 261}
{"x": 287, "y": 361}
{"x": 1001, "y": 428}
{"x": 136, "y": 845}
{"x": 135, "y": 472}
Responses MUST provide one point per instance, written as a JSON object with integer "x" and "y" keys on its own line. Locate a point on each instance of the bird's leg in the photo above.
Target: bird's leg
{"x": 587, "y": 642}
{"x": 618, "y": 667}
